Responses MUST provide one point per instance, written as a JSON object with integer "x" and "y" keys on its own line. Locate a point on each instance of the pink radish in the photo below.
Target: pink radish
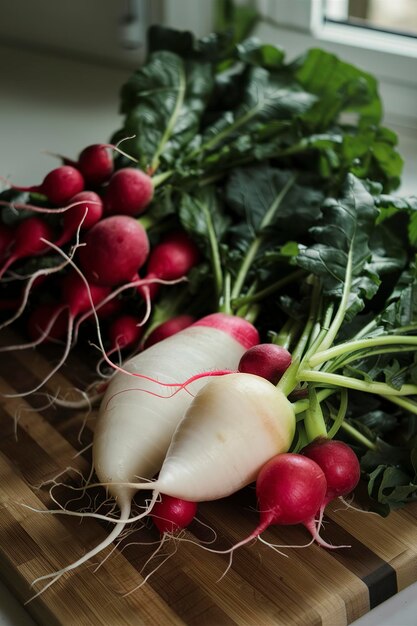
{"x": 59, "y": 185}
{"x": 78, "y": 297}
{"x": 124, "y": 331}
{"x": 172, "y": 514}
{"x": 28, "y": 240}
{"x": 171, "y": 259}
{"x": 129, "y": 192}
{"x": 87, "y": 211}
{"x": 339, "y": 464}
{"x": 267, "y": 360}
{"x": 116, "y": 248}
{"x": 95, "y": 163}
{"x": 50, "y": 319}
{"x": 290, "y": 489}
{"x": 168, "y": 328}
{"x": 139, "y": 415}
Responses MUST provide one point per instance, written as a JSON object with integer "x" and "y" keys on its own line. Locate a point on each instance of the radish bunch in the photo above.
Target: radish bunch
{"x": 85, "y": 213}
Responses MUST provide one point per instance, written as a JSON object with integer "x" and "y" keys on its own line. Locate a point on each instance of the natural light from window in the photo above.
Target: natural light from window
{"x": 394, "y": 16}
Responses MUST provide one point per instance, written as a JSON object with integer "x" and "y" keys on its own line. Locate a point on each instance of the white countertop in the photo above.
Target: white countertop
{"x": 62, "y": 106}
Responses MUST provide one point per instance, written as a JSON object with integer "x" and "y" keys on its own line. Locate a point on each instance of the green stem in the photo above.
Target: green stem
{"x": 302, "y": 405}
{"x": 333, "y": 366}
{"x": 267, "y": 291}
{"x": 404, "y": 403}
{"x": 341, "y": 311}
{"x": 340, "y": 416}
{"x": 338, "y": 380}
{"x": 355, "y": 434}
{"x": 287, "y": 334}
{"x": 161, "y": 178}
{"x": 314, "y": 421}
{"x": 254, "y": 247}
{"x": 225, "y": 300}
{"x": 361, "y": 344}
{"x": 215, "y": 254}
{"x": 172, "y": 121}
{"x": 298, "y": 351}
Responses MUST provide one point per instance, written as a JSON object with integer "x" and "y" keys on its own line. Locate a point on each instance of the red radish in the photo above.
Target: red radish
{"x": 28, "y": 240}
{"x": 47, "y": 322}
{"x": 168, "y": 328}
{"x": 87, "y": 211}
{"x": 116, "y": 248}
{"x": 59, "y": 185}
{"x": 124, "y": 332}
{"x": 95, "y": 163}
{"x": 129, "y": 192}
{"x": 171, "y": 259}
{"x": 290, "y": 489}
{"x": 172, "y": 514}
{"x": 77, "y": 296}
{"x": 6, "y": 239}
{"x": 267, "y": 360}
{"x": 339, "y": 464}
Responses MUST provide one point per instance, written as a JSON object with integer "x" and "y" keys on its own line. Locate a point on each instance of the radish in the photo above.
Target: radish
{"x": 29, "y": 238}
{"x": 59, "y": 185}
{"x": 172, "y": 514}
{"x": 116, "y": 248}
{"x": 129, "y": 192}
{"x": 47, "y": 323}
{"x": 170, "y": 259}
{"x": 95, "y": 163}
{"x": 86, "y": 211}
{"x": 124, "y": 331}
{"x": 135, "y": 424}
{"x": 168, "y": 328}
{"x": 290, "y": 489}
{"x": 77, "y": 299}
{"x": 339, "y": 464}
{"x": 267, "y": 360}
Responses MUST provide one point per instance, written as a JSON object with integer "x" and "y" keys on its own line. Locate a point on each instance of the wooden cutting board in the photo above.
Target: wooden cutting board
{"x": 190, "y": 585}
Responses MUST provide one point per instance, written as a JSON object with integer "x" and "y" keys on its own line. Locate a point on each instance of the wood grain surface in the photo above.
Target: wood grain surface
{"x": 186, "y": 584}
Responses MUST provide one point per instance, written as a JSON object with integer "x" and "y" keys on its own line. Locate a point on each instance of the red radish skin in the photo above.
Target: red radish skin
{"x": 168, "y": 328}
{"x": 267, "y": 360}
{"x": 339, "y": 464}
{"x": 50, "y": 319}
{"x": 59, "y": 185}
{"x": 173, "y": 514}
{"x": 290, "y": 489}
{"x": 171, "y": 259}
{"x": 116, "y": 248}
{"x": 129, "y": 192}
{"x": 76, "y": 295}
{"x": 124, "y": 332}
{"x": 28, "y": 240}
{"x": 87, "y": 211}
{"x": 95, "y": 163}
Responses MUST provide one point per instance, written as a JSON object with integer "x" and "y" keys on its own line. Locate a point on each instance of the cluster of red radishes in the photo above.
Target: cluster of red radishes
{"x": 87, "y": 211}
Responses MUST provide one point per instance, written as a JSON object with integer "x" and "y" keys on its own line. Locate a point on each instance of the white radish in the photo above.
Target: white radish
{"x": 234, "y": 425}
{"x": 138, "y": 414}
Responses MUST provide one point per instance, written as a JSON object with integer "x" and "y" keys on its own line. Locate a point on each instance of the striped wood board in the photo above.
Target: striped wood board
{"x": 309, "y": 586}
